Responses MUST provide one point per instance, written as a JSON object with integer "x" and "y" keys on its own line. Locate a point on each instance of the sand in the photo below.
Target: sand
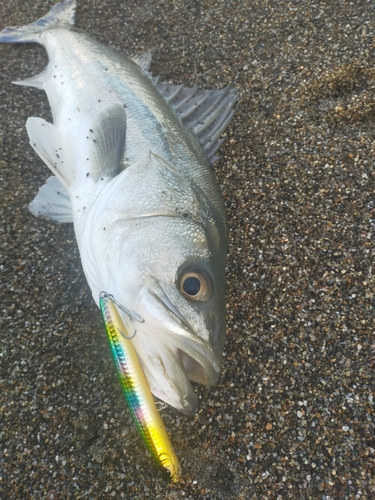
{"x": 293, "y": 413}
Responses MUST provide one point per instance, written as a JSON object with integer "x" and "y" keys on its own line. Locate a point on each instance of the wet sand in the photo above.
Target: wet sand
{"x": 293, "y": 413}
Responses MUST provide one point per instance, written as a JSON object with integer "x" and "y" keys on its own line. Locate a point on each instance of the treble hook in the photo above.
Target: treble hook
{"x": 131, "y": 314}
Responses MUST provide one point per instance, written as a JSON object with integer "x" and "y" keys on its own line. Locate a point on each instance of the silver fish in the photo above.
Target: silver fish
{"x": 131, "y": 160}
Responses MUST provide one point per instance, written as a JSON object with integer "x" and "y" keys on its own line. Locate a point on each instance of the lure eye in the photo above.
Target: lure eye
{"x": 194, "y": 285}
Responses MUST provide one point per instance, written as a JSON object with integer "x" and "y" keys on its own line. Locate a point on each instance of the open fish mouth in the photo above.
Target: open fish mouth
{"x": 171, "y": 352}
{"x": 169, "y": 371}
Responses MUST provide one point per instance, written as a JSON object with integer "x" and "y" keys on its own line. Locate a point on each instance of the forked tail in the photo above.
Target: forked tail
{"x": 62, "y": 14}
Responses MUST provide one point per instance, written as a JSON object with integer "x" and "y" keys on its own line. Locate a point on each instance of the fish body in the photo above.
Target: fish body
{"x": 131, "y": 158}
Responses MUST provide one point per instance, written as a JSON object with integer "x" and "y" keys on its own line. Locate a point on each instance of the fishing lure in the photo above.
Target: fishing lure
{"x": 136, "y": 390}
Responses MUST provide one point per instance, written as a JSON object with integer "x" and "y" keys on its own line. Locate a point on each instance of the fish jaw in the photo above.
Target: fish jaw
{"x": 165, "y": 374}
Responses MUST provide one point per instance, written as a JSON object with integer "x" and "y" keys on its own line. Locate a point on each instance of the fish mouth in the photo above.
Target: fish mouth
{"x": 171, "y": 353}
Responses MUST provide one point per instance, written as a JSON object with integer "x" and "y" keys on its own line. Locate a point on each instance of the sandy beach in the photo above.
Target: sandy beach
{"x": 293, "y": 415}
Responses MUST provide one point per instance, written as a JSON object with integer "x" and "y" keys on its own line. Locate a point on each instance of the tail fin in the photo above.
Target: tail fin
{"x": 62, "y": 14}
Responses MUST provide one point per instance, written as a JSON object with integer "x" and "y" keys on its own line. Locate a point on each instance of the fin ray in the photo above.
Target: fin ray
{"x": 206, "y": 112}
{"x": 143, "y": 60}
{"x": 108, "y": 146}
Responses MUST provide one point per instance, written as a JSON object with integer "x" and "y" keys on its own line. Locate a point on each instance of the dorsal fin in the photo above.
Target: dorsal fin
{"x": 143, "y": 60}
{"x": 206, "y": 112}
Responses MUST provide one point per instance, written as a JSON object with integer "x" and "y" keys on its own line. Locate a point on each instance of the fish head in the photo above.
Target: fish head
{"x": 164, "y": 261}
{"x": 175, "y": 285}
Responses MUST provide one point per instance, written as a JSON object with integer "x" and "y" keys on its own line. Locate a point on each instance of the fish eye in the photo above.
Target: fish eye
{"x": 194, "y": 285}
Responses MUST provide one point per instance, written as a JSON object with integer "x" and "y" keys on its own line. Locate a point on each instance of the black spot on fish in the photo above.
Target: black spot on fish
{"x": 88, "y": 173}
{"x": 99, "y": 100}
{"x": 101, "y": 178}
{"x": 103, "y": 228}
{"x": 91, "y": 130}
{"x": 58, "y": 192}
{"x": 57, "y": 155}
{"x": 94, "y": 140}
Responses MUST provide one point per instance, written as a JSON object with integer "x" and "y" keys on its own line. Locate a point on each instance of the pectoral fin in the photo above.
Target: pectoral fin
{"x": 107, "y": 146}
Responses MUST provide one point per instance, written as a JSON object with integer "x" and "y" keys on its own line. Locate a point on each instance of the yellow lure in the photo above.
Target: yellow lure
{"x": 137, "y": 392}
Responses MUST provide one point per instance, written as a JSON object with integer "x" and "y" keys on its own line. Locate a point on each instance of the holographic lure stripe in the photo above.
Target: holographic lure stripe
{"x": 137, "y": 392}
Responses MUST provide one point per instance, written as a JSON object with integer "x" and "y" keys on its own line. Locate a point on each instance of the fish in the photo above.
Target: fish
{"x": 131, "y": 158}
{"x": 137, "y": 392}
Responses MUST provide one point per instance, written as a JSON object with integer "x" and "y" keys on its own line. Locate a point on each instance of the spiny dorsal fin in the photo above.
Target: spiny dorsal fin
{"x": 143, "y": 60}
{"x": 52, "y": 201}
{"x": 206, "y": 112}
